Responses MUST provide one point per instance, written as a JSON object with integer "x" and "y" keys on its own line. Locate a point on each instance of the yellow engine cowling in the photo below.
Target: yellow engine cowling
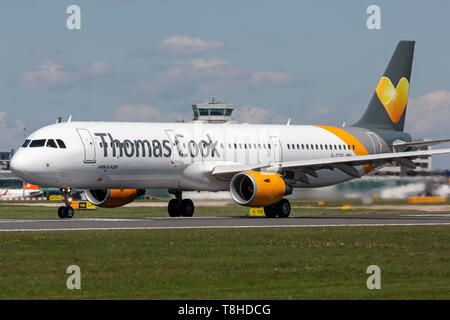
{"x": 112, "y": 198}
{"x": 258, "y": 189}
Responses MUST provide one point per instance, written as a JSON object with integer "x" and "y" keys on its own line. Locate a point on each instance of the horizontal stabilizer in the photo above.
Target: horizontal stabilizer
{"x": 401, "y": 146}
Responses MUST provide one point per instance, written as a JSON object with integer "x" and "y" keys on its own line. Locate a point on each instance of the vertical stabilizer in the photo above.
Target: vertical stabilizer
{"x": 387, "y": 108}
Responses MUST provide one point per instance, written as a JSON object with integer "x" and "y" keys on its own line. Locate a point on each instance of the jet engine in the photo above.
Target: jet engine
{"x": 258, "y": 189}
{"x": 112, "y": 198}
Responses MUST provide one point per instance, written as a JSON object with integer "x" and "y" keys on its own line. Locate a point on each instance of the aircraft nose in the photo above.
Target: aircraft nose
{"x": 20, "y": 165}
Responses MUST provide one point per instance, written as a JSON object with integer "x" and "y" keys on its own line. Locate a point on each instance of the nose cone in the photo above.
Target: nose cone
{"x": 20, "y": 165}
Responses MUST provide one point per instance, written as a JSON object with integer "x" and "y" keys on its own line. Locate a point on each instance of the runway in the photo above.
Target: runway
{"x": 220, "y": 222}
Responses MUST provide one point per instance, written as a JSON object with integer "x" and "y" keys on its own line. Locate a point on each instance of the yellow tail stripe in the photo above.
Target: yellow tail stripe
{"x": 360, "y": 150}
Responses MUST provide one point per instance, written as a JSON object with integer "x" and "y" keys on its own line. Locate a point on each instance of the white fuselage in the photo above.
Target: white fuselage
{"x": 170, "y": 155}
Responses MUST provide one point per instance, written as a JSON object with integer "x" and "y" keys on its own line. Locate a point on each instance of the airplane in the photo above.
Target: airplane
{"x": 28, "y": 190}
{"x": 114, "y": 162}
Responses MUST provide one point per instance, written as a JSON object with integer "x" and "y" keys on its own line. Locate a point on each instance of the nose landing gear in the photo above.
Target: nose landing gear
{"x": 66, "y": 211}
{"x": 180, "y": 207}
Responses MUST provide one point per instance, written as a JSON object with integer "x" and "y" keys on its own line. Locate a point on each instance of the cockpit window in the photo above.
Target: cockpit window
{"x": 51, "y": 143}
{"x": 61, "y": 143}
{"x": 26, "y": 143}
{"x": 37, "y": 143}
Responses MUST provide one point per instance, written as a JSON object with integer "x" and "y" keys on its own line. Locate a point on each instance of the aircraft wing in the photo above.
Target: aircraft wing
{"x": 344, "y": 164}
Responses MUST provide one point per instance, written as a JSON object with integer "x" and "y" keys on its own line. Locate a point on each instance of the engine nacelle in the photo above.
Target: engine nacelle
{"x": 258, "y": 189}
{"x": 112, "y": 198}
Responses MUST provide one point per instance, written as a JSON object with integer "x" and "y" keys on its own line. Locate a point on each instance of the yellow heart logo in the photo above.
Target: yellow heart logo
{"x": 393, "y": 99}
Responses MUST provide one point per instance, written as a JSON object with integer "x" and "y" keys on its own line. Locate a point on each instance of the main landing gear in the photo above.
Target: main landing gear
{"x": 66, "y": 211}
{"x": 180, "y": 207}
{"x": 281, "y": 209}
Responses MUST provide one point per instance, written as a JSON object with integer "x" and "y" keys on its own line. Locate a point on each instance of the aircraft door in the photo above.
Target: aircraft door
{"x": 88, "y": 144}
{"x": 276, "y": 154}
{"x": 176, "y": 148}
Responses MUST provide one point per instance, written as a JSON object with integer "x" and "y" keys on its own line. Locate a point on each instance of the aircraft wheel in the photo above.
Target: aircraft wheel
{"x": 284, "y": 208}
{"x": 187, "y": 208}
{"x": 61, "y": 212}
{"x": 69, "y": 212}
{"x": 173, "y": 208}
{"x": 270, "y": 211}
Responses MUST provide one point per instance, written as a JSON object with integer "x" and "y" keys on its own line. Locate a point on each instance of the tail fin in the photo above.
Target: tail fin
{"x": 29, "y": 186}
{"x": 387, "y": 109}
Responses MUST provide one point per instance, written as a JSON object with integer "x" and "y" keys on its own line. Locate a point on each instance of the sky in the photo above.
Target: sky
{"x": 315, "y": 62}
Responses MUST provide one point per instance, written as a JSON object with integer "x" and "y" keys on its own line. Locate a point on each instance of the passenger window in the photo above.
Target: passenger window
{"x": 51, "y": 143}
{"x": 289, "y": 147}
{"x": 37, "y": 143}
{"x": 61, "y": 143}
{"x": 26, "y": 143}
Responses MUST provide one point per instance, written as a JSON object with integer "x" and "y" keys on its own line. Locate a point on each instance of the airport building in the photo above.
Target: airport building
{"x": 8, "y": 180}
{"x": 213, "y": 111}
{"x": 5, "y": 157}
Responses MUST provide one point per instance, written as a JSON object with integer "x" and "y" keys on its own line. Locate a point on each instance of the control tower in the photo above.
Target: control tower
{"x": 213, "y": 111}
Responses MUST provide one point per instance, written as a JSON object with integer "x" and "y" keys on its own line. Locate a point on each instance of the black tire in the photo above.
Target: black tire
{"x": 173, "y": 209}
{"x": 69, "y": 212}
{"x": 270, "y": 211}
{"x": 283, "y": 208}
{"x": 61, "y": 212}
{"x": 187, "y": 208}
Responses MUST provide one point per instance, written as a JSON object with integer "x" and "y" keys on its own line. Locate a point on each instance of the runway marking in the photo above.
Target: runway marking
{"x": 230, "y": 227}
{"x": 431, "y": 215}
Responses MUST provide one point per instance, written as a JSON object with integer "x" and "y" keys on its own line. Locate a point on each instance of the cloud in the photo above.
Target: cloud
{"x": 142, "y": 113}
{"x": 12, "y": 130}
{"x": 48, "y": 74}
{"x": 101, "y": 68}
{"x": 428, "y": 115}
{"x": 253, "y": 114}
{"x": 180, "y": 45}
{"x": 270, "y": 77}
{"x": 51, "y": 75}
{"x": 205, "y": 77}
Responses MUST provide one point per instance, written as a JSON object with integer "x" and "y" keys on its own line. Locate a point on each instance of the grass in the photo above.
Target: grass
{"x": 9, "y": 210}
{"x": 263, "y": 263}
{"x": 287, "y": 263}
